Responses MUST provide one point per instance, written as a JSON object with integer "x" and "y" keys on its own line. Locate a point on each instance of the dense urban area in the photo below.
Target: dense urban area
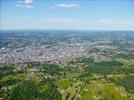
{"x": 66, "y": 65}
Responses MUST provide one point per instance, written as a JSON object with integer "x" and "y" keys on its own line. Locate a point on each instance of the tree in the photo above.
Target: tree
{"x": 51, "y": 92}
{"x": 25, "y": 90}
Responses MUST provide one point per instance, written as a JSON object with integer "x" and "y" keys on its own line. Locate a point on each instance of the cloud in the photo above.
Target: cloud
{"x": 24, "y": 3}
{"x": 70, "y": 23}
{"x": 116, "y": 22}
{"x": 25, "y": 6}
{"x": 28, "y": 1}
{"x": 63, "y": 5}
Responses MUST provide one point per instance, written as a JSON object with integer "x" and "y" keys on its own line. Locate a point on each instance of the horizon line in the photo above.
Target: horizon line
{"x": 66, "y": 30}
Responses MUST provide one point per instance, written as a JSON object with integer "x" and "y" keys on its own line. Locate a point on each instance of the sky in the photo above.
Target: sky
{"x": 67, "y": 14}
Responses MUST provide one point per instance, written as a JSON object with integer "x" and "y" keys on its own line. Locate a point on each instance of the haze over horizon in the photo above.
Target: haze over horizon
{"x": 63, "y": 14}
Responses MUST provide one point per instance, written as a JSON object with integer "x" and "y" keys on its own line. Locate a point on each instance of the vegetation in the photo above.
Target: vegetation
{"x": 110, "y": 80}
{"x": 25, "y": 90}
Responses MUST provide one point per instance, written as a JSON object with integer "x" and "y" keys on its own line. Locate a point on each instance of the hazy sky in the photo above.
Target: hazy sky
{"x": 67, "y": 14}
